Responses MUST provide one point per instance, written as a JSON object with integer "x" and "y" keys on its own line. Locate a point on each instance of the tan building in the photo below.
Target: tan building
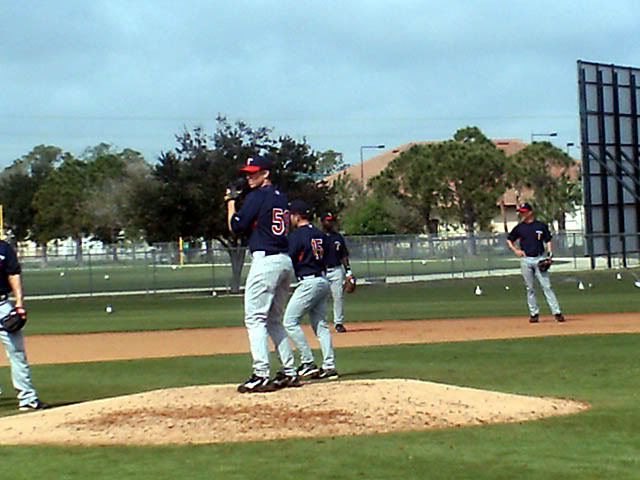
{"x": 504, "y": 220}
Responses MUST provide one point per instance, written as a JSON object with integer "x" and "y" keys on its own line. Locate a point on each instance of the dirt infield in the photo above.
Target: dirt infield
{"x": 216, "y": 413}
{"x": 51, "y": 349}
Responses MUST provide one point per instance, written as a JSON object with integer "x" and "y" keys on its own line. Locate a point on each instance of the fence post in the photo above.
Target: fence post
{"x": 90, "y": 272}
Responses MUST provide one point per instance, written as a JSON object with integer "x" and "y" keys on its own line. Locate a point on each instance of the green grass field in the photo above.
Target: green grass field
{"x": 67, "y": 280}
{"x": 427, "y": 300}
{"x": 602, "y": 370}
{"x": 600, "y": 443}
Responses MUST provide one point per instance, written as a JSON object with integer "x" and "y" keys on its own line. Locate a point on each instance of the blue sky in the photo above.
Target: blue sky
{"x": 340, "y": 73}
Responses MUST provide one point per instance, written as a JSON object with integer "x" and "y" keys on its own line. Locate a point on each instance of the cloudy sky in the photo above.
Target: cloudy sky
{"x": 341, "y": 73}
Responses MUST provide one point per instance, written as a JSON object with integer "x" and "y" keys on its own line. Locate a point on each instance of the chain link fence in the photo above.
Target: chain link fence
{"x": 206, "y": 266}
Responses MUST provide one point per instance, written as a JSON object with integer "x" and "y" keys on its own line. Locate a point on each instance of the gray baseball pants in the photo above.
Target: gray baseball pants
{"x": 530, "y": 271}
{"x": 265, "y": 298}
{"x": 335, "y": 275}
{"x": 20, "y": 371}
{"x": 310, "y": 297}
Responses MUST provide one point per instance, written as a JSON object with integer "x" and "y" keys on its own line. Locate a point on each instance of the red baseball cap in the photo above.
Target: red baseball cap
{"x": 256, "y": 163}
{"x": 525, "y": 207}
{"x": 327, "y": 216}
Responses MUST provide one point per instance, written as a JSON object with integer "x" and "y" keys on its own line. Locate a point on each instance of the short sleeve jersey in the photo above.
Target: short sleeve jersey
{"x": 532, "y": 237}
{"x": 335, "y": 250}
{"x": 307, "y": 250}
{"x": 9, "y": 265}
{"x": 264, "y": 217}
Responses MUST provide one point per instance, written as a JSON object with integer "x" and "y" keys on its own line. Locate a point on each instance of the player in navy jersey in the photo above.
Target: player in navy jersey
{"x": 306, "y": 249}
{"x": 264, "y": 217}
{"x": 532, "y": 236}
{"x": 336, "y": 258}
{"x": 11, "y": 283}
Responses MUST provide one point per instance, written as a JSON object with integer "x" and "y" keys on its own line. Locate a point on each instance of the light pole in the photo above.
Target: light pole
{"x": 569, "y": 145}
{"x": 362, "y": 160}
{"x": 550, "y": 134}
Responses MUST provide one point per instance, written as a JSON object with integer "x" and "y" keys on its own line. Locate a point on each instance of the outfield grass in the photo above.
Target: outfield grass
{"x": 427, "y": 300}
{"x": 149, "y": 277}
{"x": 601, "y": 443}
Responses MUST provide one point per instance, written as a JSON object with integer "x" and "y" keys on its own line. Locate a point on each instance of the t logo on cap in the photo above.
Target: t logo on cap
{"x": 256, "y": 163}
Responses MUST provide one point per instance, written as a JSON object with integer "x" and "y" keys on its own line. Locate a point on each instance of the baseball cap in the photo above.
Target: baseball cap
{"x": 300, "y": 207}
{"x": 525, "y": 207}
{"x": 255, "y": 163}
{"x": 328, "y": 216}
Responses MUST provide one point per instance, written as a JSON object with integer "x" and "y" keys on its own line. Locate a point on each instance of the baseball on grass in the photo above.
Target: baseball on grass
{"x": 62, "y": 274}
{"x": 109, "y": 309}
{"x": 424, "y": 262}
{"x": 106, "y": 277}
{"x": 173, "y": 267}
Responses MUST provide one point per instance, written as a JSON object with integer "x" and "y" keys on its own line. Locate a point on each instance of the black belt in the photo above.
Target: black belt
{"x": 310, "y": 276}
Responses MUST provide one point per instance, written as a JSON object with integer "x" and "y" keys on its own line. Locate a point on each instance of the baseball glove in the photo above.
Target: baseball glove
{"x": 236, "y": 190}
{"x": 545, "y": 264}
{"x": 349, "y": 284}
{"x": 14, "y": 321}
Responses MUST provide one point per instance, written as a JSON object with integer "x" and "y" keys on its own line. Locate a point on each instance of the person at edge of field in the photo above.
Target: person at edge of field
{"x": 11, "y": 282}
{"x": 306, "y": 249}
{"x": 336, "y": 258}
{"x": 264, "y": 217}
{"x": 532, "y": 236}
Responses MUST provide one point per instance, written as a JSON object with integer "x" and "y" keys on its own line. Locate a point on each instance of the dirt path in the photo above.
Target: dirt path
{"x": 53, "y": 349}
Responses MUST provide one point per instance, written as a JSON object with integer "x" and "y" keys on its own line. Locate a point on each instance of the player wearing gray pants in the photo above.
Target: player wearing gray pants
{"x": 264, "y": 217}
{"x": 534, "y": 238}
{"x": 336, "y": 258}
{"x": 306, "y": 249}
{"x": 11, "y": 281}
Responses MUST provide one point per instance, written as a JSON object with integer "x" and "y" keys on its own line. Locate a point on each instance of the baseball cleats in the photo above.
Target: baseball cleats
{"x": 31, "y": 406}
{"x": 308, "y": 370}
{"x": 340, "y": 328}
{"x": 559, "y": 317}
{"x": 534, "y": 318}
{"x": 256, "y": 384}
{"x": 282, "y": 380}
{"x": 328, "y": 374}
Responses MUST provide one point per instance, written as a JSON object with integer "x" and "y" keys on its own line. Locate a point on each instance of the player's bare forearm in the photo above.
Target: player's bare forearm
{"x": 231, "y": 211}
{"x": 15, "y": 282}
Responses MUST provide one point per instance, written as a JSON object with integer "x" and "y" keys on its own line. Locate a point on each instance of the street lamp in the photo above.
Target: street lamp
{"x": 550, "y": 134}
{"x": 362, "y": 161}
{"x": 569, "y": 145}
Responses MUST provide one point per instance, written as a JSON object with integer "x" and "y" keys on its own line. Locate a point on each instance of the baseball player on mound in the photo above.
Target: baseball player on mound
{"x": 306, "y": 249}
{"x": 264, "y": 216}
{"x": 532, "y": 236}
{"x": 336, "y": 257}
{"x": 13, "y": 341}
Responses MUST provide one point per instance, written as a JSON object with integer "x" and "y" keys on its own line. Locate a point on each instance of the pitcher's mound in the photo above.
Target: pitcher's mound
{"x": 217, "y": 413}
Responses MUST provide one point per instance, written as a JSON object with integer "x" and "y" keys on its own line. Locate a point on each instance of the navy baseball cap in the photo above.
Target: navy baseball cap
{"x": 300, "y": 207}
{"x": 328, "y": 216}
{"x": 255, "y": 163}
{"x": 525, "y": 207}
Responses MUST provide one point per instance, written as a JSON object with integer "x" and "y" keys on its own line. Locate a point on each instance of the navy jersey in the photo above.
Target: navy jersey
{"x": 264, "y": 216}
{"x": 532, "y": 237}
{"x": 335, "y": 250}
{"x": 9, "y": 265}
{"x": 306, "y": 249}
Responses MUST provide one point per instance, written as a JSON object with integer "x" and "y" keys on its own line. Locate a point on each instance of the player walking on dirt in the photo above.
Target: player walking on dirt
{"x": 336, "y": 258}
{"x": 532, "y": 236}
{"x": 306, "y": 249}
{"x": 264, "y": 217}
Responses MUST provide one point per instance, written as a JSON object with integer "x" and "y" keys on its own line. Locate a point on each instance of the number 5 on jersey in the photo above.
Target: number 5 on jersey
{"x": 280, "y": 221}
{"x": 316, "y": 246}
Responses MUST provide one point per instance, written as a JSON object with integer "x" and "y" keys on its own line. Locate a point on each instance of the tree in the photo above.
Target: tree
{"x": 185, "y": 197}
{"x": 18, "y": 185}
{"x": 474, "y": 172}
{"x": 550, "y": 173}
{"x": 60, "y": 204}
{"x": 369, "y": 217}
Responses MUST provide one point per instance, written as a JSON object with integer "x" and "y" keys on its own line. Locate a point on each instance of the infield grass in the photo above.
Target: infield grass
{"x": 427, "y": 300}
{"x": 601, "y": 443}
